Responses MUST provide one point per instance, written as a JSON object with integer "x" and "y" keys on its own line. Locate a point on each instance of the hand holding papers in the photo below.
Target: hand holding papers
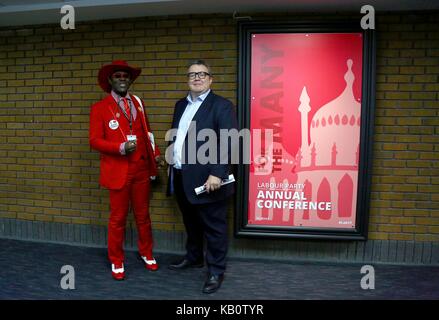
{"x": 202, "y": 189}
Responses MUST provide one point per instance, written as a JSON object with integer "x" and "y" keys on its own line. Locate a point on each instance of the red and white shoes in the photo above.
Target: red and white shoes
{"x": 150, "y": 264}
{"x": 118, "y": 271}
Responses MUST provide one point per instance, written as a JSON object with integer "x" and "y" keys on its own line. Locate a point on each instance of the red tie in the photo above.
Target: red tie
{"x": 127, "y": 107}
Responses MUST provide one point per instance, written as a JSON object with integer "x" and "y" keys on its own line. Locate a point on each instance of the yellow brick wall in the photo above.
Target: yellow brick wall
{"x": 48, "y": 82}
{"x": 405, "y": 177}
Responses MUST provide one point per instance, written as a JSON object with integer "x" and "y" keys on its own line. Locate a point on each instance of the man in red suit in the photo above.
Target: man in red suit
{"x": 120, "y": 131}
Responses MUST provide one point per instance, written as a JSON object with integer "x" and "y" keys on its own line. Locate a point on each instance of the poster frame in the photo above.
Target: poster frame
{"x": 245, "y": 31}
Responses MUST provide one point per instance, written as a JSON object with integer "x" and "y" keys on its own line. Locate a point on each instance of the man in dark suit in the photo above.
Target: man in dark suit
{"x": 204, "y": 215}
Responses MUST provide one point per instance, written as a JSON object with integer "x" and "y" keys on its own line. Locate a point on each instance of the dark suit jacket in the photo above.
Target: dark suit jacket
{"x": 214, "y": 113}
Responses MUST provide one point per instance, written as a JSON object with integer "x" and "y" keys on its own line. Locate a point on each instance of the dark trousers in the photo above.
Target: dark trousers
{"x": 201, "y": 221}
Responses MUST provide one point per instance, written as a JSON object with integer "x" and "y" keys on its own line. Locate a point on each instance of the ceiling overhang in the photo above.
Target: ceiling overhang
{"x": 27, "y": 12}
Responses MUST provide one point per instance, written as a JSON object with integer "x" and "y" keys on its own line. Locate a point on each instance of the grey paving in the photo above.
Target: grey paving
{"x": 31, "y": 270}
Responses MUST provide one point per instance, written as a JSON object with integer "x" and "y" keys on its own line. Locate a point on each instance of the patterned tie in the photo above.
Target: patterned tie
{"x": 127, "y": 107}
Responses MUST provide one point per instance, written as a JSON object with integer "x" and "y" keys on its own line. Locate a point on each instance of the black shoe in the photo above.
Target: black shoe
{"x": 213, "y": 283}
{"x": 185, "y": 264}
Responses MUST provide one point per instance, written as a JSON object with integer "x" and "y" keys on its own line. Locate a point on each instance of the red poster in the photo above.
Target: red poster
{"x": 306, "y": 88}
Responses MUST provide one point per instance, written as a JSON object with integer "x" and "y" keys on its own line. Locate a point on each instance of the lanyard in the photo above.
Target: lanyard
{"x": 130, "y": 118}
{"x": 119, "y": 127}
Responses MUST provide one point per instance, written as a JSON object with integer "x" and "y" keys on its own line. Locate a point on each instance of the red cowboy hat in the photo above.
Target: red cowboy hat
{"x": 117, "y": 65}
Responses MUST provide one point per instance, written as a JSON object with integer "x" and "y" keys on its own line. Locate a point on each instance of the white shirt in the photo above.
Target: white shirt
{"x": 183, "y": 126}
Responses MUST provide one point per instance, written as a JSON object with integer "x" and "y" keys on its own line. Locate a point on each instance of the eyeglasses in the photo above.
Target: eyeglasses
{"x": 201, "y": 75}
{"x": 119, "y": 75}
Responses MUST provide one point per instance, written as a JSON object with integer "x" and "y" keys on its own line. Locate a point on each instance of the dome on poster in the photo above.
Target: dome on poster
{"x": 334, "y": 127}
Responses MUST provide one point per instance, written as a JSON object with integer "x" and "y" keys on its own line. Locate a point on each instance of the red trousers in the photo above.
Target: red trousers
{"x": 136, "y": 192}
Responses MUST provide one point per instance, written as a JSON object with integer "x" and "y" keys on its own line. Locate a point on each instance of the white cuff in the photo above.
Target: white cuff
{"x": 148, "y": 262}
{"x": 119, "y": 270}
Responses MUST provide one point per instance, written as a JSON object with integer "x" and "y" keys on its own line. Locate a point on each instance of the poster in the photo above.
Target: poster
{"x": 305, "y": 104}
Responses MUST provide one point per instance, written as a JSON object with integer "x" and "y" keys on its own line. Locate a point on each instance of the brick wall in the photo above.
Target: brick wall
{"x": 405, "y": 180}
{"x": 48, "y": 82}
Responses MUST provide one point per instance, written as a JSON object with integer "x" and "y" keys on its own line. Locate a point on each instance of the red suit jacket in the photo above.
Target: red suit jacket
{"x": 106, "y": 139}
